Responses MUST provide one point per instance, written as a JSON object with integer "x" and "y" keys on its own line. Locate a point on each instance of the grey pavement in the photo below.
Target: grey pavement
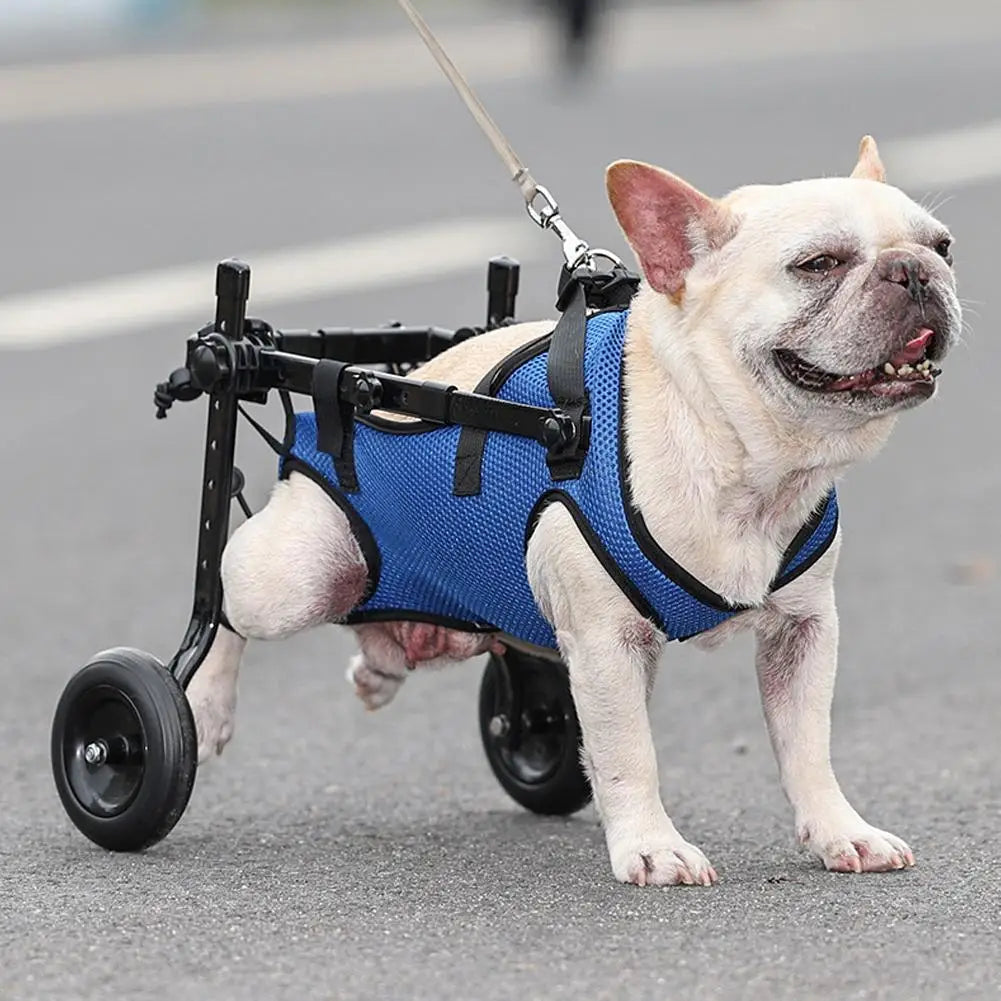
{"x": 332, "y": 853}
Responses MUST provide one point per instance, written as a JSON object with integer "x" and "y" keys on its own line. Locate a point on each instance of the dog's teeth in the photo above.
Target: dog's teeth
{"x": 889, "y": 369}
{"x": 904, "y": 370}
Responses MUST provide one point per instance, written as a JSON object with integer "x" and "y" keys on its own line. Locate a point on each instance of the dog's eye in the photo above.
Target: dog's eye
{"x": 944, "y": 248}
{"x": 820, "y": 265}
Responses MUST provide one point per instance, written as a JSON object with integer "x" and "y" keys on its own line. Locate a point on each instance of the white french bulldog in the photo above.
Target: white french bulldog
{"x": 777, "y": 334}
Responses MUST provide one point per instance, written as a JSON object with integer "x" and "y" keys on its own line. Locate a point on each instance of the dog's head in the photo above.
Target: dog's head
{"x": 834, "y": 297}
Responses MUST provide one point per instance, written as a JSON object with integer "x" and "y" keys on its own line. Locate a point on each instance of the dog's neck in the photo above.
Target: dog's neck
{"x": 722, "y": 483}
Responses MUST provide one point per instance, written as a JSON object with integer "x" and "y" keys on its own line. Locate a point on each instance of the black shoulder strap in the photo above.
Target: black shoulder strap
{"x": 334, "y": 422}
{"x": 565, "y": 376}
{"x": 565, "y": 379}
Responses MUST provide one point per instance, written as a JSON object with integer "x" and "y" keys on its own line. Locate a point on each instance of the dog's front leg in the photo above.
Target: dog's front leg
{"x": 796, "y": 664}
{"x": 611, "y": 654}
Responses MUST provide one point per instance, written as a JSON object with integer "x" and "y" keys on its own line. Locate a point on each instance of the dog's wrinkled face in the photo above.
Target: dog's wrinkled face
{"x": 837, "y": 295}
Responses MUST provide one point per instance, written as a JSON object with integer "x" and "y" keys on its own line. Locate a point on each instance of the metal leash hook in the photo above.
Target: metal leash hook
{"x": 576, "y": 252}
{"x": 539, "y": 201}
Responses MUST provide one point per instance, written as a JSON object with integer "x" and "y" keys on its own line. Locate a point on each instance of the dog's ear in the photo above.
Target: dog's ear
{"x": 869, "y": 166}
{"x": 665, "y": 220}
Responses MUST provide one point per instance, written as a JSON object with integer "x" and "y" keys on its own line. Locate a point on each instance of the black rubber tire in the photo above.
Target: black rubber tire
{"x": 132, "y": 702}
{"x": 540, "y": 771}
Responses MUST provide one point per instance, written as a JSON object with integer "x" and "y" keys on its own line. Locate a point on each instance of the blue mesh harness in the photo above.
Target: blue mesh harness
{"x": 460, "y": 560}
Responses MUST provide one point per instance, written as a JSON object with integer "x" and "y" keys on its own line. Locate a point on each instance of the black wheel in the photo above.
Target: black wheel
{"x": 124, "y": 751}
{"x": 531, "y": 734}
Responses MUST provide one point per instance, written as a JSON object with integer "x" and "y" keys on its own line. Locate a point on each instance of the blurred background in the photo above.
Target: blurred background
{"x": 334, "y": 854}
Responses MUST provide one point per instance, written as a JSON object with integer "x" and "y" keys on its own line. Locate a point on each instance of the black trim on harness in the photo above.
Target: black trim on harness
{"x": 648, "y": 546}
{"x": 624, "y": 583}
{"x": 411, "y": 615}
{"x": 362, "y": 533}
{"x": 467, "y": 479}
{"x": 677, "y": 573}
{"x": 800, "y": 540}
{"x": 334, "y": 421}
{"x": 565, "y": 377}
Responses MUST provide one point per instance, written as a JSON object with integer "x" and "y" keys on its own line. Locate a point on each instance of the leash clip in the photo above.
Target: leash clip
{"x": 544, "y": 211}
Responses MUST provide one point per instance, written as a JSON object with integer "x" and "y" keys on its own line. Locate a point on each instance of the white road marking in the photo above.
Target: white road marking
{"x": 248, "y": 75}
{"x": 378, "y": 260}
{"x": 945, "y": 159}
{"x": 698, "y": 37}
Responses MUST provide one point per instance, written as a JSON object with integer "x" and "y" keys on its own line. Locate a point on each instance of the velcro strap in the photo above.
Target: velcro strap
{"x": 334, "y": 421}
{"x": 466, "y": 481}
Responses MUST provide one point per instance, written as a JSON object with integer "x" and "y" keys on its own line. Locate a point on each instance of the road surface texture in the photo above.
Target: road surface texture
{"x": 332, "y": 853}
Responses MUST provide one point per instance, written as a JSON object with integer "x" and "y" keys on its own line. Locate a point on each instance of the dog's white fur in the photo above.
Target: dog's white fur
{"x": 725, "y": 468}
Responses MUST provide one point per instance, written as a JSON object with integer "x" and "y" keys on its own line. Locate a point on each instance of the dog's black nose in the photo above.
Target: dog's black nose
{"x": 909, "y": 271}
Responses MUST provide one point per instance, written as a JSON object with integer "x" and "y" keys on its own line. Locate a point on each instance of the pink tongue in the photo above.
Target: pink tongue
{"x": 912, "y": 350}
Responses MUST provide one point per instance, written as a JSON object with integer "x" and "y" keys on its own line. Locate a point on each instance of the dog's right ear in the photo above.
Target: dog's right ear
{"x": 665, "y": 220}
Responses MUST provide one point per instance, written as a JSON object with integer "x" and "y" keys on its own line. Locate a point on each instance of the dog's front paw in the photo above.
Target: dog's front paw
{"x": 856, "y": 847}
{"x": 659, "y": 860}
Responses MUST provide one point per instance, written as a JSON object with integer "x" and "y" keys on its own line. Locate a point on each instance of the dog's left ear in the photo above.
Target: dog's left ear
{"x": 666, "y": 221}
{"x": 869, "y": 166}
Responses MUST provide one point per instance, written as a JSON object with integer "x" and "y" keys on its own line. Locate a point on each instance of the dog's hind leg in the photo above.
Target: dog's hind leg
{"x": 293, "y": 565}
{"x": 212, "y": 693}
{"x": 379, "y": 667}
{"x": 390, "y": 649}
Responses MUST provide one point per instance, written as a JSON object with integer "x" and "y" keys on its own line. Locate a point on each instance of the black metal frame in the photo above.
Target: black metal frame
{"x": 239, "y": 359}
{"x": 236, "y": 359}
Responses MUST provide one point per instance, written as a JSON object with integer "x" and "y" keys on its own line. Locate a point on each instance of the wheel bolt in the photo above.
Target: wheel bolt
{"x": 96, "y": 753}
{"x": 499, "y": 726}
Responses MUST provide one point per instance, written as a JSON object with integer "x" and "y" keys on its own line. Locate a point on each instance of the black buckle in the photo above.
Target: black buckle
{"x": 602, "y": 289}
{"x": 566, "y": 442}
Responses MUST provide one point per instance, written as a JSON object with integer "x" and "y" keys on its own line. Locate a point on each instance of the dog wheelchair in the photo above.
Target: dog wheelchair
{"x": 123, "y": 746}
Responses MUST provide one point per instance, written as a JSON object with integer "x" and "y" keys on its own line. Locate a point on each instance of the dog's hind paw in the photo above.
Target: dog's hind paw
{"x": 214, "y": 707}
{"x": 659, "y": 862}
{"x": 375, "y": 686}
{"x": 858, "y": 849}
{"x": 211, "y": 693}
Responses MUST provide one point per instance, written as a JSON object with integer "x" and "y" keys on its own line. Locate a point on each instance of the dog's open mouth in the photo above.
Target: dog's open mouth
{"x": 906, "y": 372}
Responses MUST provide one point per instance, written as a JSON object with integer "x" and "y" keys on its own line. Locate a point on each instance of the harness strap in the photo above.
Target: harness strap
{"x": 334, "y": 421}
{"x": 565, "y": 377}
{"x": 467, "y": 480}
{"x": 279, "y": 447}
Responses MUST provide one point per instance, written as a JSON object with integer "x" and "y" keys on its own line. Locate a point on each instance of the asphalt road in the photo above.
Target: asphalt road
{"x": 335, "y": 854}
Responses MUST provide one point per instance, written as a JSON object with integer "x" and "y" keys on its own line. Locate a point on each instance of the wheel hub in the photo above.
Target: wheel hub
{"x": 530, "y": 740}
{"x": 104, "y": 755}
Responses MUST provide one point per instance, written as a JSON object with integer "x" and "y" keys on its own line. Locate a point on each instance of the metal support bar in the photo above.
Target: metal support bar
{"x": 431, "y": 401}
{"x": 366, "y": 345}
{"x": 502, "y": 291}
{"x": 232, "y": 291}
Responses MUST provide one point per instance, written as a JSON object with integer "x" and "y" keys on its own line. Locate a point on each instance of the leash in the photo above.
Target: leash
{"x": 540, "y": 204}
